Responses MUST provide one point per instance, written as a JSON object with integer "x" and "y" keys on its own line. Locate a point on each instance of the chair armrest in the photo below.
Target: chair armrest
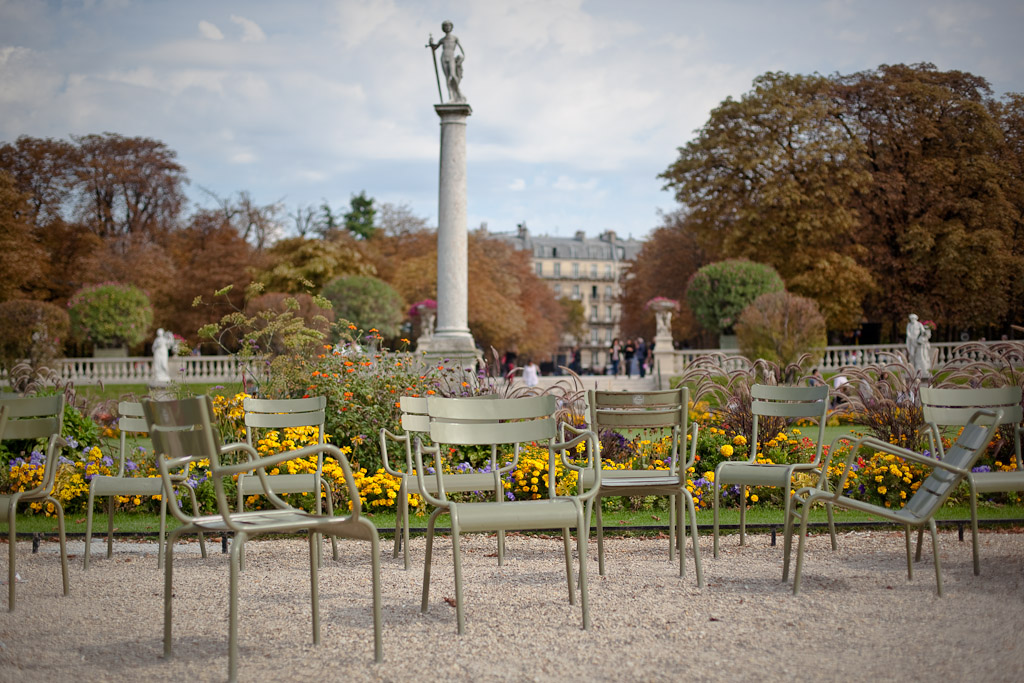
{"x": 441, "y": 502}
{"x": 401, "y": 438}
{"x": 692, "y": 459}
{"x": 593, "y": 460}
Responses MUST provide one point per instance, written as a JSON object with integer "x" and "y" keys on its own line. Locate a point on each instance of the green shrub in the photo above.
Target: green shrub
{"x": 718, "y": 292}
{"x": 368, "y": 303}
{"x": 782, "y": 328}
{"x": 110, "y": 315}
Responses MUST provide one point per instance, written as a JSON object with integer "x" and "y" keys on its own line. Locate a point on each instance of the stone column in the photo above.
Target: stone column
{"x": 452, "y": 338}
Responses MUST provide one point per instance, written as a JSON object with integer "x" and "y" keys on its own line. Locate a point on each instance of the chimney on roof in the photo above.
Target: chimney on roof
{"x": 522, "y": 232}
{"x": 580, "y": 235}
{"x": 608, "y": 236}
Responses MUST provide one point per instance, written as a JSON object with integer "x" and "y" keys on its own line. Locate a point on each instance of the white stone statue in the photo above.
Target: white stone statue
{"x": 451, "y": 63}
{"x": 919, "y": 348}
{"x": 663, "y": 323}
{"x": 162, "y": 347}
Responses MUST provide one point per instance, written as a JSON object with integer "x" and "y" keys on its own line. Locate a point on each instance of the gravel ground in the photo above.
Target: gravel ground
{"x": 857, "y": 616}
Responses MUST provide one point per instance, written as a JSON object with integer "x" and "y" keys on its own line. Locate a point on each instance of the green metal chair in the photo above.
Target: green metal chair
{"x": 184, "y": 432}
{"x": 654, "y": 413}
{"x": 954, "y": 407}
{"x": 416, "y": 421}
{"x": 774, "y": 401}
{"x": 131, "y": 419}
{"x": 466, "y": 422}
{"x": 920, "y": 509}
{"x": 39, "y": 417}
{"x": 267, "y": 414}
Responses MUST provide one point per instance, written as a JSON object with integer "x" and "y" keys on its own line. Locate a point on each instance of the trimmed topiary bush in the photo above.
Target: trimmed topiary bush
{"x": 368, "y": 303}
{"x": 718, "y": 292}
{"x": 110, "y": 315}
{"x": 782, "y": 327}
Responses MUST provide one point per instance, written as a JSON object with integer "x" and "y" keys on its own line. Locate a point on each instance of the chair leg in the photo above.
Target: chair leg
{"x": 63, "y": 544}
{"x": 567, "y": 551}
{"x": 920, "y": 534}
{"x": 401, "y": 509}
{"x": 600, "y": 536}
{"x": 163, "y": 533}
{"x": 314, "y": 583}
{"x": 910, "y": 564}
{"x": 460, "y": 608}
{"x": 169, "y": 591}
{"x": 424, "y": 601}
{"x": 11, "y": 554}
{"x": 974, "y": 526}
{"x": 110, "y": 526}
{"x": 743, "y": 514}
{"x": 715, "y": 486}
{"x": 935, "y": 552}
{"x": 330, "y": 513}
{"x": 787, "y": 543}
{"x": 237, "y": 549}
{"x": 195, "y": 511}
{"x": 696, "y": 540}
{"x": 378, "y": 641}
{"x": 674, "y": 538}
{"x": 831, "y": 526}
{"x": 804, "y": 516}
{"x": 581, "y": 550}
{"x": 88, "y": 530}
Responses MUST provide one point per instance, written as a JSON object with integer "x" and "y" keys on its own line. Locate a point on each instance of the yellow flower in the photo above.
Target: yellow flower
{"x": 882, "y": 490}
{"x": 726, "y": 450}
{"x": 739, "y": 440}
{"x": 753, "y": 499}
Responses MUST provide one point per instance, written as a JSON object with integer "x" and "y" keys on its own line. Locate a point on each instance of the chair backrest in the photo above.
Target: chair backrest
{"x": 468, "y": 421}
{"x": 789, "y": 402}
{"x": 938, "y": 486}
{"x": 130, "y": 419}
{"x": 37, "y": 417}
{"x": 414, "y": 414}
{"x": 261, "y": 413}
{"x": 948, "y": 407}
{"x": 184, "y": 432}
{"x": 641, "y": 410}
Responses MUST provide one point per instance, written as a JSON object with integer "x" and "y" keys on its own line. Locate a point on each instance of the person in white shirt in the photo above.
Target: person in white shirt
{"x": 531, "y": 373}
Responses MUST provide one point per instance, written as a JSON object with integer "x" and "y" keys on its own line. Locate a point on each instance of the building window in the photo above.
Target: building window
{"x": 593, "y": 291}
{"x": 540, "y": 269}
{"x": 558, "y": 289}
{"x": 593, "y": 336}
{"x": 593, "y": 313}
{"x": 608, "y": 335}
{"x": 593, "y": 271}
{"x": 558, "y": 269}
{"x": 608, "y": 313}
{"x": 575, "y": 270}
{"x": 575, "y": 291}
{"x": 608, "y": 292}
{"x": 608, "y": 271}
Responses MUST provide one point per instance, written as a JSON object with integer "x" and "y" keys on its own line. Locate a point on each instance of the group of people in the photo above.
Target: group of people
{"x": 630, "y": 358}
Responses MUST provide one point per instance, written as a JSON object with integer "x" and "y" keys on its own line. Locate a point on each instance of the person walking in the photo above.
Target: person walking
{"x": 531, "y": 373}
{"x": 629, "y": 355}
{"x": 642, "y": 353}
{"x": 615, "y": 355}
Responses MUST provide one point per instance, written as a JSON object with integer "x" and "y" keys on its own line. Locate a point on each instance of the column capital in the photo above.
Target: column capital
{"x": 452, "y": 110}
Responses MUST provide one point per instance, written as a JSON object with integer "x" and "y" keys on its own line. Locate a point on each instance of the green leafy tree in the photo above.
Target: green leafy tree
{"x": 769, "y": 178}
{"x": 296, "y": 264}
{"x": 110, "y": 315}
{"x": 359, "y": 220}
{"x": 718, "y": 292}
{"x": 368, "y": 303}
{"x": 782, "y": 328}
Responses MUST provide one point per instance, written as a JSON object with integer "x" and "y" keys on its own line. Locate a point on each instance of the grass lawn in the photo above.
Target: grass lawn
{"x": 95, "y": 393}
{"x": 147, "y": 523}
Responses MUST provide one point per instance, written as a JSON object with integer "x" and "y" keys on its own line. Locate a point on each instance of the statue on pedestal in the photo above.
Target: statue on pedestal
{"x": 919, "y": 348}
{"x": 162, "y": 346}
{"x": 451, "y": 63}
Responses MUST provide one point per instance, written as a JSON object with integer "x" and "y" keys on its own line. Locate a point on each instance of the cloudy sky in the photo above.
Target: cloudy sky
{"x": 577, "y": 105}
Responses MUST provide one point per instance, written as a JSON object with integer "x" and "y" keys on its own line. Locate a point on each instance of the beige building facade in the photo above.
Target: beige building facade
{"x": 588, "y": 270}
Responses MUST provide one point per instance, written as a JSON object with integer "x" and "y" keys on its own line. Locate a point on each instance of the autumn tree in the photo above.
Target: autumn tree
{"x": 668, "y": 258}
{"x": 769, "y": 178}
{"x": 21, "y": 257}
{"x": 937, "y": 218}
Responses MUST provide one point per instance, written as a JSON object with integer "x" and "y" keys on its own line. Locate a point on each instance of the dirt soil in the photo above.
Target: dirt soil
{"x": 857, "y": 617}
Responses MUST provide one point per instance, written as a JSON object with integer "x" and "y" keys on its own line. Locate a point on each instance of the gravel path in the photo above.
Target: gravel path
{"x": 857, "y": 616}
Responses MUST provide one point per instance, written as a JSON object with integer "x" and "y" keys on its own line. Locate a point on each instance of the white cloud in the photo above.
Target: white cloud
{"x": 251, "y": 31}
{"x": 517, "y": 185}
{"x": 210, "y": 31}
{"x": 567, "y": 184}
